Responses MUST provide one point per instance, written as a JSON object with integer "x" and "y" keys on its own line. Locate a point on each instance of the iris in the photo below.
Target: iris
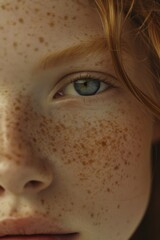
{"x": 87, "y": 87}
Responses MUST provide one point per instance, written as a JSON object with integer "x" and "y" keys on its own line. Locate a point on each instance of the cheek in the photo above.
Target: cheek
{"x": 103, "y": 163}
{"x": 104, "y": 151}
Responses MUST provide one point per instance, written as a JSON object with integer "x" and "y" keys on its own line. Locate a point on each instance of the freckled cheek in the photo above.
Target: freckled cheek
{"x": 100, "y": 150}
{"x": 102, "y": 161}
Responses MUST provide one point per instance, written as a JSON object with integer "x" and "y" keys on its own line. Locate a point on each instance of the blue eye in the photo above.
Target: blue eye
{"x": 85, "y": 86}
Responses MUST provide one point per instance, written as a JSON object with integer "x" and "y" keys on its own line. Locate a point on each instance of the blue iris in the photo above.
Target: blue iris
{"x": 87, "y": 87}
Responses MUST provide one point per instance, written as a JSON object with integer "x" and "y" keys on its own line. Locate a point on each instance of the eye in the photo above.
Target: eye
{"x": 86, "y": 85}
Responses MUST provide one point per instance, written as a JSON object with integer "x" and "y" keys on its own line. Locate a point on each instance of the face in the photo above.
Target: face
{"x": 78, "y": 157}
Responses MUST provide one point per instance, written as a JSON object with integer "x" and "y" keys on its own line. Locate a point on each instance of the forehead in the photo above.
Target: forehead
{"x": 44, "y": 10}
{"x": 60, "y": 21}
{"x": 51, "y": 24}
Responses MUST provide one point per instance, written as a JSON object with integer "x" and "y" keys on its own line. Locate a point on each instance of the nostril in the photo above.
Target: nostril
{"x": 33, "y": 185}
{"x": 1, "y": 190}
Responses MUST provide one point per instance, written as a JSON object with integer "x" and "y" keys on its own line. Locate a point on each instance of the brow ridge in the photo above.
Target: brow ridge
{"x": 83, "y": 49}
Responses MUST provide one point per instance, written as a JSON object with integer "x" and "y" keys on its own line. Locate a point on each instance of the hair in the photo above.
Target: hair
{"x": 145, "y": 15}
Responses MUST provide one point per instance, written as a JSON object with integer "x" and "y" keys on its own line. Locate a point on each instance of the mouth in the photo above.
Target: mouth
{"x": 68, "y": 236}
{"x": 35, "y": 228}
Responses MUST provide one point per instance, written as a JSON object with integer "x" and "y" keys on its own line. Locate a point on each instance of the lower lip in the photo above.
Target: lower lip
{"x": 41, "y": 237}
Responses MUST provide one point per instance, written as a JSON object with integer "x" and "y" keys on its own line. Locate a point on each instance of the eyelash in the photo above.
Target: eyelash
{"x": 89, "y": 77}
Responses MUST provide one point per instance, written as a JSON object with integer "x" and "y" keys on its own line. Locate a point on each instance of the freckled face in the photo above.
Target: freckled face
{"x": 92, "y": 157}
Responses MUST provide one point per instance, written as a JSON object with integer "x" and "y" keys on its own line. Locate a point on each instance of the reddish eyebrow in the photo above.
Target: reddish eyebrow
{"x": 83, "y": 49}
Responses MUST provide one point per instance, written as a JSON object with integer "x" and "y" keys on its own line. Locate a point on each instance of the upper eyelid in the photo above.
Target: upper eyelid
{"x": 68, "y": 77}
{"x": 65, "y": 79}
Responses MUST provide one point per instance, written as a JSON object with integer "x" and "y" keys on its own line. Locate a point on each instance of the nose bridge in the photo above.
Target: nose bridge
{"x": 13, "y": 114}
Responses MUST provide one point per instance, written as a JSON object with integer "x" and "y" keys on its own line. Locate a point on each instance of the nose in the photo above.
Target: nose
{"x": 21, "y": 168}
{"x": 22, "y": 179}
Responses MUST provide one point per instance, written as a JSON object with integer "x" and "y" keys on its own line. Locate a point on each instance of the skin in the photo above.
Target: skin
{"x": 91, "y": 159}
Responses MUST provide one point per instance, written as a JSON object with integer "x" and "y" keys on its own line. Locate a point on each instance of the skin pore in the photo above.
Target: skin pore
{"x": 90, "y": 155}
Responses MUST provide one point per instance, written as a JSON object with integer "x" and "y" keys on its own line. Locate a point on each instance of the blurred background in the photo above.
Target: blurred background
{"x": 149, "y": 228}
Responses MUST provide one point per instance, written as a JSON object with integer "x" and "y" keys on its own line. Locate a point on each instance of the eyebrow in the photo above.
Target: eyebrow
{"x": 96, "y": 45}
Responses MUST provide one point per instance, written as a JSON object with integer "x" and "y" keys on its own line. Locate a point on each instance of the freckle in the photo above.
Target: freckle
{"x": 126, "y": 162}
{"x": 17, "y": 108}
{"x": 41, "y": 39}
{"x": 14, "y": 23}
{"x": 65, "y": 17}
{"x": 74, "y": 17}
{"x": 86, "y": 155}
{"x": 15, "y": 44}
{"x": 54, "y": 150}
{"x": 3, "y": 7}
{"x": 84, "y": 163}
{"x": 51, "y": 24}
{"x": 92, "y": 215}
{"x": 103, "y": 143}
{"x": 21, "y": 20}
{"x": 42, "y": 201}
{"x": 34, "y": 139}
{"x": 108, "y": 190}
{"x": 116, "y": 183}
{"x": 36, "y": 49}
{"x": 16, "y": 7}
{"x": 91, "y": 161}
{"x": 126, "y": 129}
{"x": 116, "y": 167}
{"x": 1, "y": 28}
{"x": 36, "y": 10}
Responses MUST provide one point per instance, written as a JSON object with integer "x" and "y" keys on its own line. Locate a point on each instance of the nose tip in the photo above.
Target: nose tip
{"x": 23, "y": 179}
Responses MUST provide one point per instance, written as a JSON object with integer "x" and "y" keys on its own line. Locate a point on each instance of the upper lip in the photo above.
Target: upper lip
{"x": 31, "y": 226}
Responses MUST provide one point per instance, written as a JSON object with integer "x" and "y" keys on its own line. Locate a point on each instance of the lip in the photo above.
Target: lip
{"x": 34, "y": 228}
{"x": 41, "y": 237}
